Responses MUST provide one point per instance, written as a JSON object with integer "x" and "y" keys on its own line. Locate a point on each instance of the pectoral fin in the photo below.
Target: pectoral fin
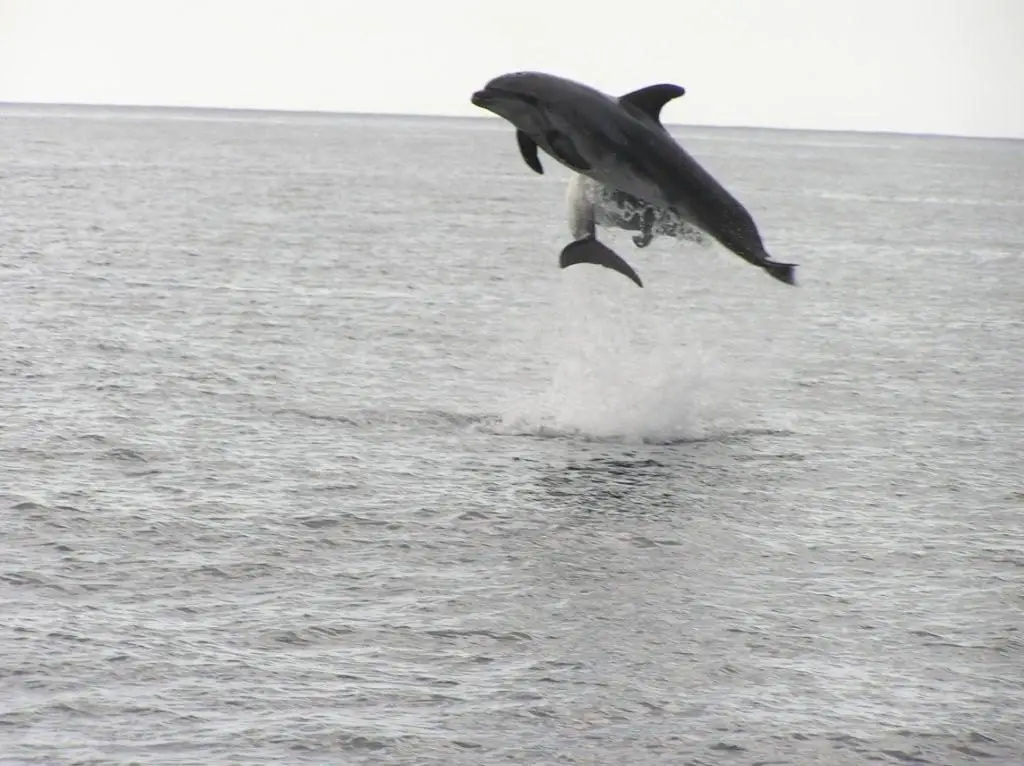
{"x": 528, "y": 148}
{"x": 565, "y": 150}
{"x": 589, "y": 250}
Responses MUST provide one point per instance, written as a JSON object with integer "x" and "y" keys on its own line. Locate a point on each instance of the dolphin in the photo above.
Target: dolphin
{"x": 620, "y": 143}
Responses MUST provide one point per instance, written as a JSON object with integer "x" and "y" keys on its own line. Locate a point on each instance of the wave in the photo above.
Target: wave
{"x": 400, "y": 418}
{"x": 532, "y": 420}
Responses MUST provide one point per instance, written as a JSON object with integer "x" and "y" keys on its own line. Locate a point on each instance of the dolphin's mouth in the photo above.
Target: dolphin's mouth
{"x": 490, "y": 96}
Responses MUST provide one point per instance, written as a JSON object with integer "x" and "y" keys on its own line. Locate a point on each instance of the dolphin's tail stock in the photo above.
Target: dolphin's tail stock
{"x": 784, "y": 272}
{"x": 589, "y": 250}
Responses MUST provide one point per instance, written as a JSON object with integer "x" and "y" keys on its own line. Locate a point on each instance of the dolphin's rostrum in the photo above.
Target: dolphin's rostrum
{"x": 621, "y": 144}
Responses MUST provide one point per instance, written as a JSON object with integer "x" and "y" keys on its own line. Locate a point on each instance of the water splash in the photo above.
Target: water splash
{"x": 618, "y": 375}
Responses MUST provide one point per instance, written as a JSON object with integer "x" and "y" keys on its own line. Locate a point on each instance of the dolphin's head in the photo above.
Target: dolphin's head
{"x": 516, "y": 96}
{"x": 579, "y": 126}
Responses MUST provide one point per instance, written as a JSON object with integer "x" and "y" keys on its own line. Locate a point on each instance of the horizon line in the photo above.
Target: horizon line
{"x": 355, "y": 113}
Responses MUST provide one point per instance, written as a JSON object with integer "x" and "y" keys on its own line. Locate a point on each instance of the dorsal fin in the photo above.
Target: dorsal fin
{"x": 651, "y": 99}
{"x": 528, "y": 148}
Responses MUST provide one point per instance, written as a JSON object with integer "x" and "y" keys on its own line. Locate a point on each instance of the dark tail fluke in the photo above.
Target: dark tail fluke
{"x": 784, "y": 272}
{"x": 589, "y": 250}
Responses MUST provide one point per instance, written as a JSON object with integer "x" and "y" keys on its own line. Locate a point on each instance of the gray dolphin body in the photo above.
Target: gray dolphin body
{"x": 621, "y": 144}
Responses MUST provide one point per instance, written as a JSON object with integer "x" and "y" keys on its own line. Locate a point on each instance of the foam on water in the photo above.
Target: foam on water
{"x": 616, "y": 374}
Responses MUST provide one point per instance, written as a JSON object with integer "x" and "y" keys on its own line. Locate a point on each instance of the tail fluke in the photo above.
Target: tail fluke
{"x": 589, "y": 250}
{"x": 784, "y": 272}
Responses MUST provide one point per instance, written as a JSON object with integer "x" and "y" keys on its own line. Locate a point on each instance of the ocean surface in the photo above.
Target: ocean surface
{"x": 311, "y": 454}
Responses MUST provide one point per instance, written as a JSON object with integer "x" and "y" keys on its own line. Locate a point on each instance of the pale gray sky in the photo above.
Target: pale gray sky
{"x": 932, "y": 66}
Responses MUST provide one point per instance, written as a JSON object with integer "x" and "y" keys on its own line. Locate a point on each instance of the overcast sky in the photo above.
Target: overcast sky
{"x": 923, "y": 66}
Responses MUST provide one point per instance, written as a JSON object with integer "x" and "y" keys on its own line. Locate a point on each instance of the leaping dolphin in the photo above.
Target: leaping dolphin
{"x": 621, "y": 144}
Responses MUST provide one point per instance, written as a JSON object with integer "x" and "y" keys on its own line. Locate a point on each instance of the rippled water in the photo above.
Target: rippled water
{"x": 311, "y": 454}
